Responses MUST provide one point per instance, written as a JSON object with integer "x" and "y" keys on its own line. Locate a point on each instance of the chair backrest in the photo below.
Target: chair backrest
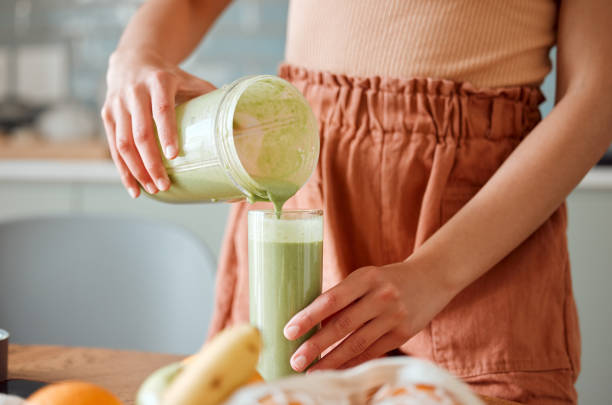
{"x": 116, "y": 282}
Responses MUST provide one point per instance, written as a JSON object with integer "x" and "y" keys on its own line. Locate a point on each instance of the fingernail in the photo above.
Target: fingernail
{"x": 133, "y": 192}
{"x": 170, "y": 151}
{"x": 298, "y": 363}
{"x": 291, "y": 332}
{"x": 163, "y": 183}
{"x": 150, "y": 188}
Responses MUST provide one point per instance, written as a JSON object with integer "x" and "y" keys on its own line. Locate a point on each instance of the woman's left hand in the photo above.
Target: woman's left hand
{"x": 377, "y": 309}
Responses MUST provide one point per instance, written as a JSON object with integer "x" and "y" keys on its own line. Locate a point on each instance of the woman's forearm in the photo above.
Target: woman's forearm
{"x": 170, "y": 28}
{"x": 523, "y": 193}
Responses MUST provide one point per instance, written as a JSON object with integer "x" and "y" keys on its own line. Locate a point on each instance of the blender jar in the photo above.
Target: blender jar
{"x": 242, "y": 140}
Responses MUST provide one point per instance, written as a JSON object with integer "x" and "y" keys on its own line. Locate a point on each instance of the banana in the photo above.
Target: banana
{"x": 153, "y": 388}
{"x": 224, "y": 364}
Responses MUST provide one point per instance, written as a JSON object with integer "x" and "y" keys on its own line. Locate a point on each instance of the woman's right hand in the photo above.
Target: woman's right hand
{"x": 143, "y": 89}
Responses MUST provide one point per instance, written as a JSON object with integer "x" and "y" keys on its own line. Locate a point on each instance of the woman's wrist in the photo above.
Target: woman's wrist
{"x": 434, "y": 263}
{"x": 136, "y": 54}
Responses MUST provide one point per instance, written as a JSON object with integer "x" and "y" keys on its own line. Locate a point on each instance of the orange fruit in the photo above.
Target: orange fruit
{"x": 268, "y": 400}
{"x": 72, "y": 393}
{"x": 255, "y": 378}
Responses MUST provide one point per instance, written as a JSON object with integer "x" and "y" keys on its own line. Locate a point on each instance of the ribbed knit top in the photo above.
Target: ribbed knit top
{"x": 489, "y": 43}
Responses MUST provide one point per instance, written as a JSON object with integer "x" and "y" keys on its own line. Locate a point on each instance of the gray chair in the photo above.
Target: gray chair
{"x": 115, "y": 282}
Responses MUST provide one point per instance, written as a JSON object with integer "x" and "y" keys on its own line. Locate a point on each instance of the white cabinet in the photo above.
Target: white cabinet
{"x": 207, "y": 221}
{"x": 27, "y": 199}
{"x": 590, "y": 243}
{"x": 69, "y": 189}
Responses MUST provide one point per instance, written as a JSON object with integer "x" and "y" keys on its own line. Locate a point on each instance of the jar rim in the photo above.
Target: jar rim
{"x": 225, "y": 145}
{"x": 227, "y": 138}
{"x": 292, "y": 214}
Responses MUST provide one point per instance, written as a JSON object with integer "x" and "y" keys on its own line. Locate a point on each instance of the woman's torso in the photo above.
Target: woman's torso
{"x": 489, "y": 43}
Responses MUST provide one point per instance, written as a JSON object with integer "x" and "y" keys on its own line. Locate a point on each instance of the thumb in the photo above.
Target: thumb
{"x": 190, "y": 86}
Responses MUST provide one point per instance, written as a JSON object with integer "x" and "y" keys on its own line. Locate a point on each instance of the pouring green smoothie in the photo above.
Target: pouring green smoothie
{"x": 255, "y": 139}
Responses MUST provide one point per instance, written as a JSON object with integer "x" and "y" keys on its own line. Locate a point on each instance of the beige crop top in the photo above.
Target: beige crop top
{"x": 490, "y": 43}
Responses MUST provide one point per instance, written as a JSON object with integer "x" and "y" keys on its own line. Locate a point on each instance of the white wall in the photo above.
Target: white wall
{"x": 590, "y": 242}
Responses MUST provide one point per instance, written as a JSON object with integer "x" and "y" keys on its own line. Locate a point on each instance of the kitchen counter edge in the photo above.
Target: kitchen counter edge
{"x": 103, "y": 171}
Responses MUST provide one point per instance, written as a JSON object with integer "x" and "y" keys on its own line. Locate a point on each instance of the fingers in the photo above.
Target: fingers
{"x": 133, "y": 111}
{"x": 339, "y": 326}
{"x": 163, "y": 89}
{"x": 191, "y": 86}
{"x": 357, "y": 343}
{"x": 142, "y": 89}
{"x": 144, "y": 137}
{"x": 327, "y": 304}
{"x": 133, "y": 143}
{"x": 383, "y": 345}
{"x": 124, "y": 141}
{"x": 129, "y": 182}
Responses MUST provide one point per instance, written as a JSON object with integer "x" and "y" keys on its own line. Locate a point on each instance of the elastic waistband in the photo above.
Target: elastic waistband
{"x": 417, "y": 105}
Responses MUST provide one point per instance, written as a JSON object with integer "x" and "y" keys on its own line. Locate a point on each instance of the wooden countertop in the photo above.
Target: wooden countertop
{"x": 35, "y": 148}
{"x": 119, "y": 371}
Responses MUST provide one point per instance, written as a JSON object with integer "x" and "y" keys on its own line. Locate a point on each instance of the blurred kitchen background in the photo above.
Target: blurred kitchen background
{"x": 53, "y": 157}
{"x": 53, "y": 59}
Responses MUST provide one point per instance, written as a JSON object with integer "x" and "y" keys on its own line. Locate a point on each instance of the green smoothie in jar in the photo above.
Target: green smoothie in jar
{"x": 255, "y": 139}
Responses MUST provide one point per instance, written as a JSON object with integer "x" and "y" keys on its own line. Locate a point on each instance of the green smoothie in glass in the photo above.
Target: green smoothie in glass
{"x": 285, "y": 267}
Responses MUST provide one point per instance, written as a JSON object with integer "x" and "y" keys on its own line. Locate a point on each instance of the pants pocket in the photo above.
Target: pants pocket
{"x": 550, "y": 387}
{"x": 513, "y": 317}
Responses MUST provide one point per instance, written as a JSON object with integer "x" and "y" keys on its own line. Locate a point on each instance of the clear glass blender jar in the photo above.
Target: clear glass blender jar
{"x": 241, "y": 141}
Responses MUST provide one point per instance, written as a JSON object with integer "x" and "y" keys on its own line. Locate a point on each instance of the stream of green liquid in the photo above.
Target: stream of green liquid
{"x": 277, "y": 191}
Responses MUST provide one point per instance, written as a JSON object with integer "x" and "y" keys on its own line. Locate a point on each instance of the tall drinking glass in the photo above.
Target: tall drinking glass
{"x": 285, "y": 266}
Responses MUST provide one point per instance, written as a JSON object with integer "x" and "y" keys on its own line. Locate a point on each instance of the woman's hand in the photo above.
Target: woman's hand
{"x": 379, "y": 308}
{"x": 143, "y": 89}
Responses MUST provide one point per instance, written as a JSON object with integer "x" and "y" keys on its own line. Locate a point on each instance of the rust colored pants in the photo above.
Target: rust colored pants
{"x": 398, "y": 159}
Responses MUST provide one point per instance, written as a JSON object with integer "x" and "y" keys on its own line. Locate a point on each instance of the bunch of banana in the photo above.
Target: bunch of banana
{"x": 224, "y": 364}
